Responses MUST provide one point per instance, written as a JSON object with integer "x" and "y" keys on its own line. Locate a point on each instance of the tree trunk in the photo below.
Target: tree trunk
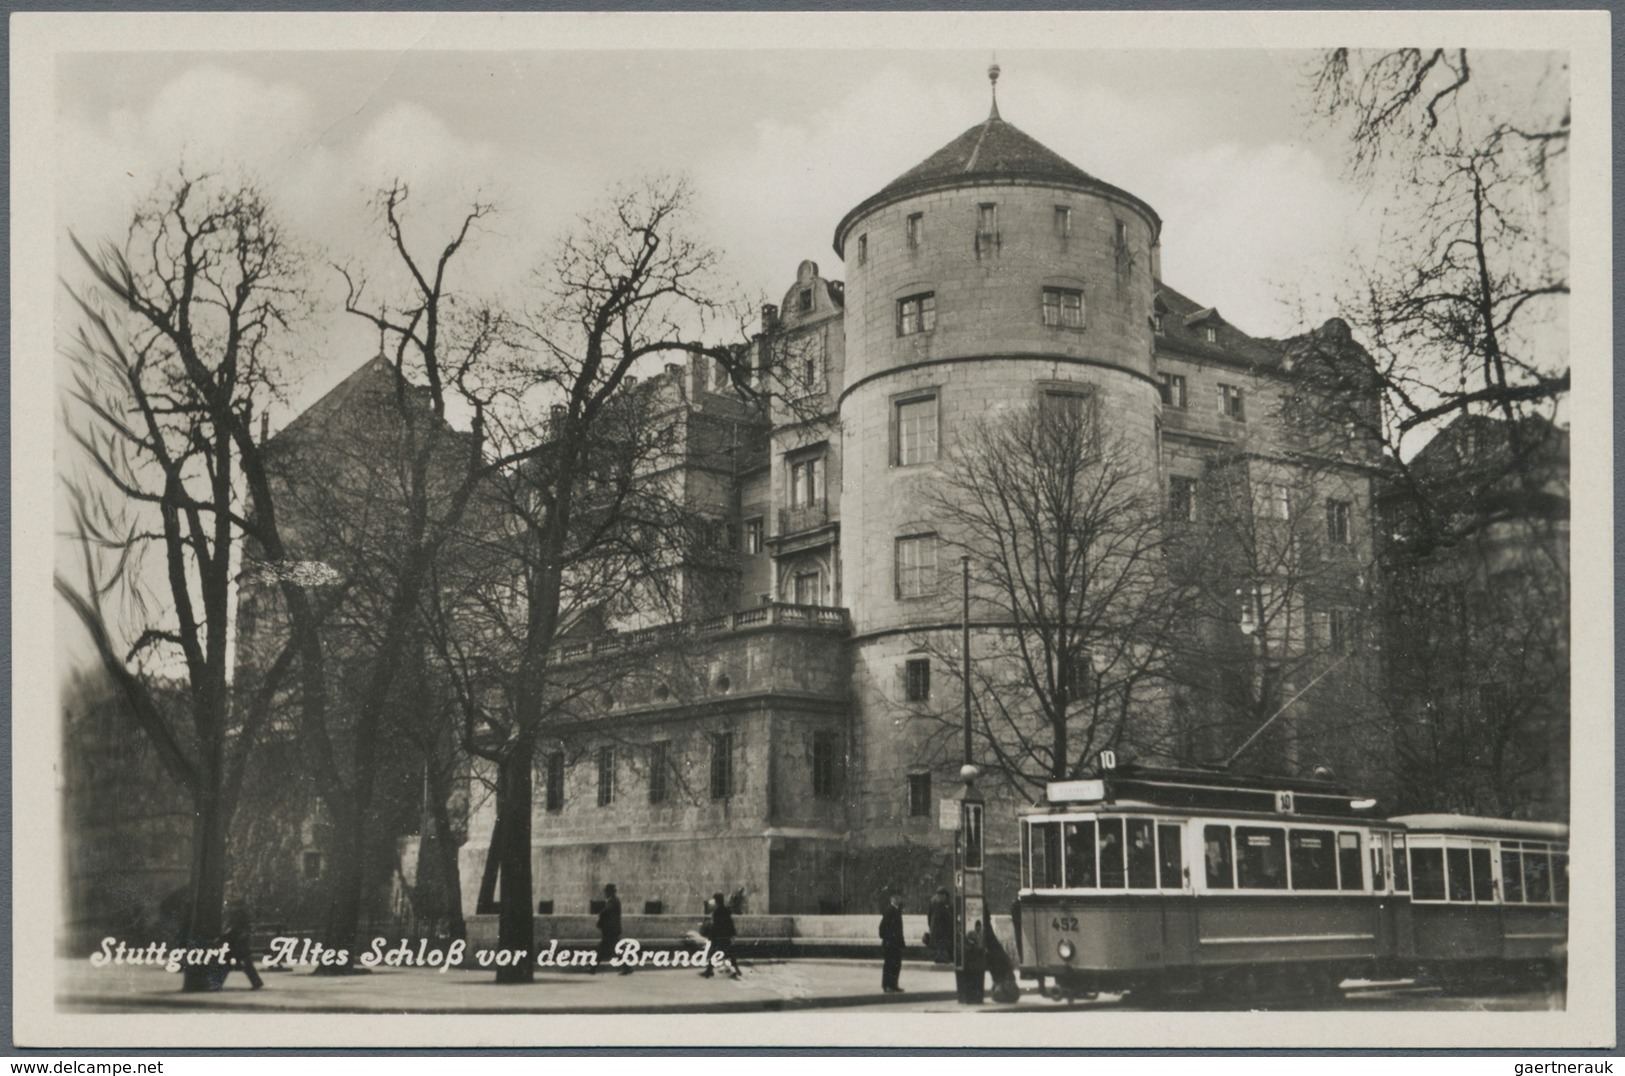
{"x": 445, "y": 849}
{"x": 516, "y": 925}
{"x": 203, "y": 922}
{"x": 344, "y": 894}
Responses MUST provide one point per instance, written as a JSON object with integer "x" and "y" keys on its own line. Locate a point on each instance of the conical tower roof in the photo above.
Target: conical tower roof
{"x": 991, "y": 152}
{"x": 991, "y": 149}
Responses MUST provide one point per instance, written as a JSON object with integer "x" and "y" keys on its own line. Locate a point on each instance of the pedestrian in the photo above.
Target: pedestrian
{"x": 891, "y": 945}
{"x": 939, "y": 921}
{"x": 239, "y": 946}
{"x": 722, "y": 937}
{"x": 609, "y": 929}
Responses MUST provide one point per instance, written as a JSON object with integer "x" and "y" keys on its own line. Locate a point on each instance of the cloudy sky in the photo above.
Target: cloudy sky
{"x": 781, "y": 124}
{"x": 778, "y": 143}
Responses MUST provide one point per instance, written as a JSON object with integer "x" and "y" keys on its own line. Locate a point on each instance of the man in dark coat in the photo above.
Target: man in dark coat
{"x": 722, "y": 937}
{"x": 239, "y": 947}
{"x": 939, "y": 922}
{"x": 891, "y": 945}
{"x": 609, "y": 929}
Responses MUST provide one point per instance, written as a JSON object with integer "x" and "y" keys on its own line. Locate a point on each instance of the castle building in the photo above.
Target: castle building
{"x": 790, "y": 758}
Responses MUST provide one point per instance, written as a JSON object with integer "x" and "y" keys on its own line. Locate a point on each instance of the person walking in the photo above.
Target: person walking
{"x": 891, "y": 945}
{"x": 722, "y": 937}
{"x": 239, "y": 946}
{"x": 609, "y": 929}
{"x": 939, "y": 922}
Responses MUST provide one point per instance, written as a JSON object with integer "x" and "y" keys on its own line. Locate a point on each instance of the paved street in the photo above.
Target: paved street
{"x": 766, "y": 986}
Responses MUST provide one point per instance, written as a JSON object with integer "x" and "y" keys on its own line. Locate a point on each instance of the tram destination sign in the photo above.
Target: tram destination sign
{"x": 1092, "y": 790}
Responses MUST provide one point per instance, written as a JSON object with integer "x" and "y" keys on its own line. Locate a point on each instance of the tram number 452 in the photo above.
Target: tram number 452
{"x": 1063, "y": 922}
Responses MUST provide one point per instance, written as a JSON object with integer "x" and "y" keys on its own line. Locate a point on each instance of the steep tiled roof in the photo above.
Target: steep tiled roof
{"x": 1182, "y": 331}
{"x": 992, "y": 148}
{"x": 993, "y": 151}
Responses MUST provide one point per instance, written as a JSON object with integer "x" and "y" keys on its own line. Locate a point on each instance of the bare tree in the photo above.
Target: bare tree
{"x": 592, "y": 516}
{"x": 177, "y": 348}
{"x": 1062, "y": 521}
{"x": 1465, "y": 313}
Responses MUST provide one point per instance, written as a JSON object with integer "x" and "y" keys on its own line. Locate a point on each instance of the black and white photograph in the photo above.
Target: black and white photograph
{"x": 812, "y": 529}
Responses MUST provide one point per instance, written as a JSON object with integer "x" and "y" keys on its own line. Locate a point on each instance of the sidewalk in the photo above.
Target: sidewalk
{"x": 767, "y": 986}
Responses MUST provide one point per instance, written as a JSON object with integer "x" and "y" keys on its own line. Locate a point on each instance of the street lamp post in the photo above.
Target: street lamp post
{"x": 970, "y": 961}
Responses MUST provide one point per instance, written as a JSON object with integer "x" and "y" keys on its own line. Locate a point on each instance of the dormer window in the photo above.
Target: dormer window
{"x": 1210, "y": 334}
{"x": 804, "y": 300}
{"x": 1156, "y": 324}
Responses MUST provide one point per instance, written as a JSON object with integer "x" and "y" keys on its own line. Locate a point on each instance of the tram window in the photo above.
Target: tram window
{"x": 1402, "y": 867}
{"x": 1312, "y": 863}
{"x": 1169, "y": 860}
{"x": 1560, "y": 876}
{"x": 1483, "y": 880}
{"x": 1142, "y": 854}
{"x": 1378, "y": 881}
{"x": 1427, "y": 873}
{"x": 1348, "y": 861}
{"x": 1537, "y": 874}
{"x": 1459, "y": 876}
{"x": 1046, "y": 853}
{"x": 1217, "y": 853}
{"x": 1511, "y": 876}
{"x": 1080, "y": 855}
{"x": 1260, "y": 858}
{"x": 1111, "y": 853}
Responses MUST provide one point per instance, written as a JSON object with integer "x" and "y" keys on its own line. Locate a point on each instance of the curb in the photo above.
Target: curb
{"x": 185, "y": 1003}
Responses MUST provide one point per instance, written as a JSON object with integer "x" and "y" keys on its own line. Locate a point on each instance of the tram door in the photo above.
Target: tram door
{"x": 1178, "y": 906}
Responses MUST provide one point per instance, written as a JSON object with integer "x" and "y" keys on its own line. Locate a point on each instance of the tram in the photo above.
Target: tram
{"x": 1488, "y": 896}
{"x": 1180, "y": 882}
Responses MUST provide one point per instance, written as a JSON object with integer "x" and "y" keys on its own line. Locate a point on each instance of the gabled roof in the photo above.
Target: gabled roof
{"x": 1182, "y": 332}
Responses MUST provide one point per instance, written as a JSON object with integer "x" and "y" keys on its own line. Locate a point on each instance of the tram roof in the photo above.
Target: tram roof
{"x": 1469, "y": 825}
{"x": 1212, "y": 791}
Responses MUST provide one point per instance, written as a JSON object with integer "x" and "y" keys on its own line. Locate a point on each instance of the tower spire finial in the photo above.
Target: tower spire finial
{"x": 993, "y": 79}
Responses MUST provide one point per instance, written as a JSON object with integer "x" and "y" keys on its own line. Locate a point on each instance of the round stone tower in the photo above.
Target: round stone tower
{"x": 990, "y": 274}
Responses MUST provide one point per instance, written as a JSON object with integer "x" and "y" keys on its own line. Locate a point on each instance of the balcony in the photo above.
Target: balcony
{"x": 804, "y": 518}
{"x": 774, "y": 614}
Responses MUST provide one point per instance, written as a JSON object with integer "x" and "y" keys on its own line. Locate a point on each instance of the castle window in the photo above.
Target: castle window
{"x": 754, "y": 534}
{"x": 1156, "y": 324}
{"x": 1063, "y": 221}
{"x": 555, "y": 781}
{"x": 917, "y": 679}
{"x": 1335, "y": 628}
{"x": 606, "y": 776}
{"x": 1172, "y": 388}
{"x": 1055, "y": 404}
{"x": 806, "y": 482}
{"x": 1182, "y": 499}
{"x": 1063, "y": 307}
{"x": 808, "y": 588}
{"x": 659, "y": 770}
{"x": 987, "y": 229}
{"x": 919, "y": 795}
{"x": 917, "y": 314}
{"x": 1231, "y": 404}
{"x": 825, "y": 764}
{"x": 722, "y": 765}
{"x": 863, "y": 249}
{"x": 916, "y": 567}
{"x": 914, "y": 430}
{"x": 1337, "y": 522}
{"x": 916, "y": 229}
{"x": 1121, "y": 236}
